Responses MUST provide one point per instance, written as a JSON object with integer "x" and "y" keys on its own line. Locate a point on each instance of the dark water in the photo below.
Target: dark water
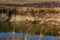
{"x": 30, "y": 37}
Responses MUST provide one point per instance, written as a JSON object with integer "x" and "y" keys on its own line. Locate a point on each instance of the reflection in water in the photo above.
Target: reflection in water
{"x": 22, "y": 35}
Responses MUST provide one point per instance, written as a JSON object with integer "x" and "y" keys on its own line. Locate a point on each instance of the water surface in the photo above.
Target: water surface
{"x": 30, "y": 37}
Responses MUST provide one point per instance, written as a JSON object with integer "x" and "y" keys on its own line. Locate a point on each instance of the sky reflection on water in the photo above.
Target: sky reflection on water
{"x": 22, "y": 35}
